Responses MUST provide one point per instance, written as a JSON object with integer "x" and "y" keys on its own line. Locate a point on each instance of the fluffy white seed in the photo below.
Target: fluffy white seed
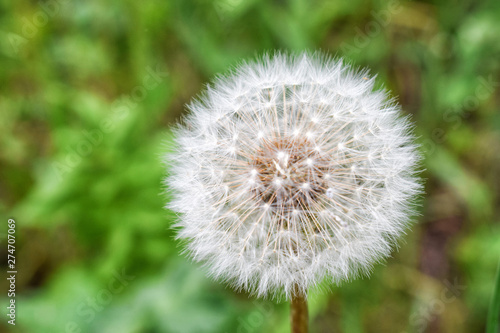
{"x": 290, "y": 170}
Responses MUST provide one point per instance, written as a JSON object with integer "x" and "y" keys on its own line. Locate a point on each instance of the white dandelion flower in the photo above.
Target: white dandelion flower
{"x": 290, "y": 170}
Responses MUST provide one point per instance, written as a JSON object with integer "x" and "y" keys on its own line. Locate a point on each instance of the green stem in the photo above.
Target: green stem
{"x": 298, "y": 312}
{"x": 493, "y": 325}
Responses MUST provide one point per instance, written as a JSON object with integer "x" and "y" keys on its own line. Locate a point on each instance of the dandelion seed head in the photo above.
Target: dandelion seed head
{"x": 291, "y": 170}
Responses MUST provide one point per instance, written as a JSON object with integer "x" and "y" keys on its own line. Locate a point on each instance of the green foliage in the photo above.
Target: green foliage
{"x": 494, "y": 312}
{"x": 90, "y": 90}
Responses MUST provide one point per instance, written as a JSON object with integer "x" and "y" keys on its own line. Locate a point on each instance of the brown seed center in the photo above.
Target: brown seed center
{"x": 291, "y": 173}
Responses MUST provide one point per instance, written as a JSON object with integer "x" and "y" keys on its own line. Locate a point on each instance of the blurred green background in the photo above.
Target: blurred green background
{"x": 89, "y": 90}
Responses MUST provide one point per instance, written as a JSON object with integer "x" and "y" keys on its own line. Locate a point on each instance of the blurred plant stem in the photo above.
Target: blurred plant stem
{"x": 298, "y": 312}
{"x": 494, "y": 313}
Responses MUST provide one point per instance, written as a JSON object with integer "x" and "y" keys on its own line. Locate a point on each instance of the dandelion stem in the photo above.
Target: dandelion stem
{"x": 298, "y": 312}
